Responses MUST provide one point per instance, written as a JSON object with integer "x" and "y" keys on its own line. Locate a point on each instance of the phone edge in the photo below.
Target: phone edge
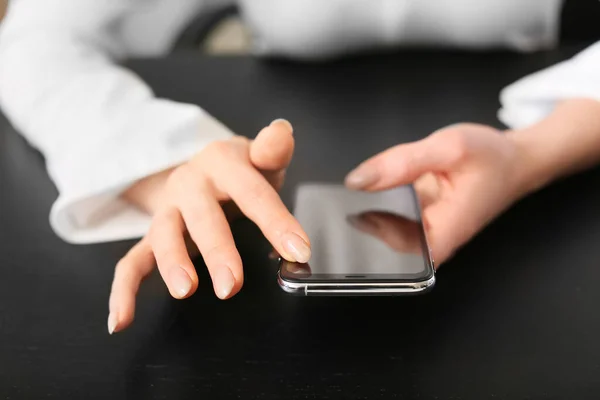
{"x": 353, "y": 288}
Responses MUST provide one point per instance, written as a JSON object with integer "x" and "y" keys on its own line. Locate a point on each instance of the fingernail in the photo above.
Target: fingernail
{"x": 113, "y": 320}
{"x": 362, "y": 177}
{"x": 283, "y": 121}
{"x": 296, "y": 247}
{"x": 358, "y": 223}
{"x": 223, "y": 282}
{"x": 296, "y": 269}
{"x": 180, "y": 282}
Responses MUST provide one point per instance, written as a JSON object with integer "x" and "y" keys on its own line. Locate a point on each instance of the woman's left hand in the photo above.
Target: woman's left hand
{"x": 464, "y": 175}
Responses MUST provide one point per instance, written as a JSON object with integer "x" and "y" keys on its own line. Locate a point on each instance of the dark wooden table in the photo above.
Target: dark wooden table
{"x": 514, "y": 315}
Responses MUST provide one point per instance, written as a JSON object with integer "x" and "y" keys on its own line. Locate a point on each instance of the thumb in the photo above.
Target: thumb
{"x": 450, "y": 226}
{"x": 273, "y": 147}
{"x": 404, "y": 164}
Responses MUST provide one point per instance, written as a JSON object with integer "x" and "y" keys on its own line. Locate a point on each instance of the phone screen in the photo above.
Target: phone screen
{"x": 360, "y": 236}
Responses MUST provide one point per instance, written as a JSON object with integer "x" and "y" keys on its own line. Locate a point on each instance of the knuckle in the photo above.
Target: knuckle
{"x": 408, "y": 165}
{"x": 458, "y": 145}
{"x": 166, "y": 215}
{"x": 258, "y": 191}
{"x": 163, "y": 216}
{"x": 152, "y": 231}
{"x": 219, "y": 148}
{"x": 179, "y": 180}
{"x": 221, "y": 153}
{"x": 165, "y": 253}
{"x": 130, "y": 269}
{"x": 124, "y": 270}
{"x": 192, "y": 185}
{"x": 194, "y": 220}
{"x": 277, "y": 224}
{"x": 140, "y": 249}
{"x": 242, "y": 140}
{"x": 122, "y": 266}
{"x": 219, "y": 250}
{"x": 180, "y": 174}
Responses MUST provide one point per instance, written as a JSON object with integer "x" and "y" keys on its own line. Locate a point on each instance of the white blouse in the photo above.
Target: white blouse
{"x": 101, "y": 128}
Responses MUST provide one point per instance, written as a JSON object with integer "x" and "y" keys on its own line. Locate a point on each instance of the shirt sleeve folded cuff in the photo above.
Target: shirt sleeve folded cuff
{"x": 533, "y": 98}
{"x": 89, "y": 208}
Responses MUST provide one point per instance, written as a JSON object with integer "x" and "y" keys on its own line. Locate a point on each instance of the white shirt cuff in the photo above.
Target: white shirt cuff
{"x": 533, "y": 98}
{"x": 89, "y": 209}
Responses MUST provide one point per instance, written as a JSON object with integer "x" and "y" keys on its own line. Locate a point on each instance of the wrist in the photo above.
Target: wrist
{"x": 565, "y": 142}
{"x": 148, "y": 194}
{"x": 531, "y": 172}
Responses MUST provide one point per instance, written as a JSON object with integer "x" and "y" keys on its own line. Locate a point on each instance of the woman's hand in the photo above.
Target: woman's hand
{"x": 186, "y": 203}
{"x": 465, "y": 175}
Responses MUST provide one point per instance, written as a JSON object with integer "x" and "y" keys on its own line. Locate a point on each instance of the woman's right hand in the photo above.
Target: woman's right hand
{"x": 187, "y": 203}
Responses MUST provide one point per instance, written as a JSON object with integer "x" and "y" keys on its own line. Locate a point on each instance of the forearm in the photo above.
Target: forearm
{"x": 98, "y": 125}
{"x": 566, "y": 142}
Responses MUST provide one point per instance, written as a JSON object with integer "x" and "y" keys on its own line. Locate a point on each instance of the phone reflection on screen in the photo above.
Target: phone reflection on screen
{"x": 397, "y": 232}
{"x": 360, "y": 235}
{"x": 370, "y": 239}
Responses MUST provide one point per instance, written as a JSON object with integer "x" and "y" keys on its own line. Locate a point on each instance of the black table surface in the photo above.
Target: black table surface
{"x": 514, "y": 315}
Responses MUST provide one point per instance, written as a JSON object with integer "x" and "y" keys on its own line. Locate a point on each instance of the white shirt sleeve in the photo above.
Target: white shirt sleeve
{"x": 99, "y": 127}
{"x": 314, "y": 29}
{"x": 533, "y": 97}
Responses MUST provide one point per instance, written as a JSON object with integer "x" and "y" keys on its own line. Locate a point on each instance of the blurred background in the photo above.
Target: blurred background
{"x": 219, "y": 32}
{"x": 223, "y": 32}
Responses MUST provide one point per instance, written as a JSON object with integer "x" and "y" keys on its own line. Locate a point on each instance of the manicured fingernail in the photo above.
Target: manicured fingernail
{"x": 296, "y": 269}
{"x": 223, "y": 282}
{"x": 362, "y": 177}
{"x": 113, "y": 321}
{"x": 180, "y": 282}
{"x": 285, "y": 122}
{"x": 358, "y": 222}
{"x": 296, "y": 247}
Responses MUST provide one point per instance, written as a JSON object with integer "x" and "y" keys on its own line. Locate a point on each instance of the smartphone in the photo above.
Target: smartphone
{"x": 362, "y": 243}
